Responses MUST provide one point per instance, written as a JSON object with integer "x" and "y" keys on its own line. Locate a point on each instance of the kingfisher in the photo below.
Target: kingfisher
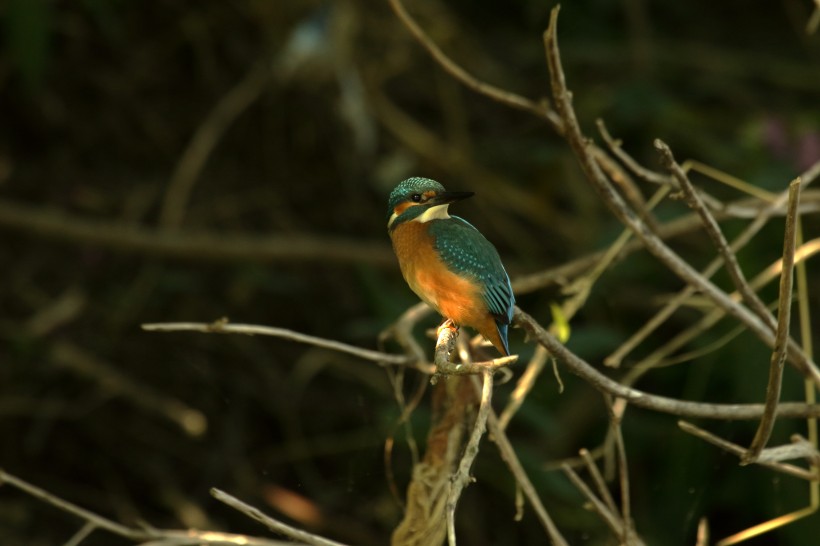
{"x": 447, "y": 262}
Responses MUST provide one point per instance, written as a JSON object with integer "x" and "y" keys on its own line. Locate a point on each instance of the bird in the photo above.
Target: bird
{"x": 447, "y": 262}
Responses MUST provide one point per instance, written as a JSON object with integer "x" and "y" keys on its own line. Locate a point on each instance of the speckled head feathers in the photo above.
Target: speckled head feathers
{"x": 407, "y": 188}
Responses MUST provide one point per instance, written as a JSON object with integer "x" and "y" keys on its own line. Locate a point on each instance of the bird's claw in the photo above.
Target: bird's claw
{"x": 447, "y": 324}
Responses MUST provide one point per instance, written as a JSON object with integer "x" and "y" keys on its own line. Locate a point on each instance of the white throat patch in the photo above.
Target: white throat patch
{"x": 438, "y": 212}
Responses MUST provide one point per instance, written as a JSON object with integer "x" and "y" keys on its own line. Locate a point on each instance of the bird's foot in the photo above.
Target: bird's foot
{"x": 449, "y": 325}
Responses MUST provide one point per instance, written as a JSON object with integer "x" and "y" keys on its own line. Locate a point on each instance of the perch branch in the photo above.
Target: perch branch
{"x": 447, "y": 337}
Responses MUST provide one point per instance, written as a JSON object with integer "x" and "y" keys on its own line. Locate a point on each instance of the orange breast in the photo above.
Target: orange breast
{"x": 454, "y": 297}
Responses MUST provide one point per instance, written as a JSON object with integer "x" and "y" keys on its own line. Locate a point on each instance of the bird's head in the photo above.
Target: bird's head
{"x": 421, "y": 200}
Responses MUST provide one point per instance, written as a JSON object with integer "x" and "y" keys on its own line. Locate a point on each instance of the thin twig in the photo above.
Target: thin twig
{"x": 165, "y": 536}
{"x": 784, "y": 309}
{"x": 713, "y": 230}
{"x": 581, "y": 147}
{"x": 525, "y": 284}
{"x": 703, "y": 532}
{"x": 66, "y": 506}
{"x": 806, "y": 251}
{"x": 461, "y": 477}
{"x": 402, "y": 332}
{"x": 524, "y": 386}
{"x": 109, "y": 377}
{"x": 664, "y": 313}
{"x": 81, "y": 534}
{"x": 600, "y": 382}
{"x": 222, "y": 326}
{"x": 597, "y": 479}
{"x": 271, "y": 523}
{"x": 205, "y": 139}
{"x": 611, "y": 518}
{"x": 540, "y": 109}
{"x": 638, "y": 169}
{"x": 630, "y": 535}
{"x": 794, "y": 452}
{"x": 498, "y": 436}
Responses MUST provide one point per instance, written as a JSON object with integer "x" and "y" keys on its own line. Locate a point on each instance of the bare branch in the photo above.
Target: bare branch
{"x": 222, "y": 326}
{"x": 628, "y": 536}
{"x": 498, "y": 436}
{"x": 271, "y": 523}
{"x": 769, "y": 461}
{"x": 524, "y": 386}
{"x": 713, "y": 230}
{"x": 74, "y": 358}
{"x": 160, "y": 536}
{"x": 581, "y": 146}
{"x": 540, "y": 109}
{"x": 461, "y": 477}
{"x": 66, "y": 506}
{"x": 806, "y": 250}
{"x": 599, "y": 381}
{"x": 205, "y": 139}
{"x": 784, "y": 309}
{"x": 597, "y": 478}
{"x": 664, "y": 313}
{"x": 611, "y": 518}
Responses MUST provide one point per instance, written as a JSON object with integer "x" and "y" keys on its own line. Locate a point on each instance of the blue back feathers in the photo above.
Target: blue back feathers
{"x": 467, "y": 252}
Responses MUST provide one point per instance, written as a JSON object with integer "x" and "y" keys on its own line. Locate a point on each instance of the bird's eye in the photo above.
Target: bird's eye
{"x": 416, "y": 197}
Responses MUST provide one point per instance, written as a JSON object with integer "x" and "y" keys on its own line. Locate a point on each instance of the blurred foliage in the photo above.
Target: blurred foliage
{"x": 98, "y": 100}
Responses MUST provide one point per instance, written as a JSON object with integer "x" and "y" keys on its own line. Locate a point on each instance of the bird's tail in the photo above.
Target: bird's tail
{"x": 502, "y": 338}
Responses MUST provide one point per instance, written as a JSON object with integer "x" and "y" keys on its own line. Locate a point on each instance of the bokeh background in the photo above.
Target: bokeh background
{"x": 303, "y": 115}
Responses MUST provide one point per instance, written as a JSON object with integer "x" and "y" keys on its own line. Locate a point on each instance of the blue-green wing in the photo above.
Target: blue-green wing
{"x": 467, "y": 252}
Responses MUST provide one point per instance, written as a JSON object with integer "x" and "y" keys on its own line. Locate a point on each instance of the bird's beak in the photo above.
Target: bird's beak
{"x": 447, "y": 197}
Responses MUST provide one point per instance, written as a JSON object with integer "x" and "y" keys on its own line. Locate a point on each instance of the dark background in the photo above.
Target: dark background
{"x": 98, "y": 101}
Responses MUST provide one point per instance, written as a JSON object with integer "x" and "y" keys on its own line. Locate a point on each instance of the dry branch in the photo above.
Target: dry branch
{"x": 273, "y": 524}
{"x": 582, "y": 148}
{"x": 222, "y": 326}
{"x": 784, "y": 309}
{"x": 158, "y": 536}
{"x": 663, "y": 404}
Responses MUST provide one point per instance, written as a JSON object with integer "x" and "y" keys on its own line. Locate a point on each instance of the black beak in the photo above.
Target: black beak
{"x": 449, "y": 197}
